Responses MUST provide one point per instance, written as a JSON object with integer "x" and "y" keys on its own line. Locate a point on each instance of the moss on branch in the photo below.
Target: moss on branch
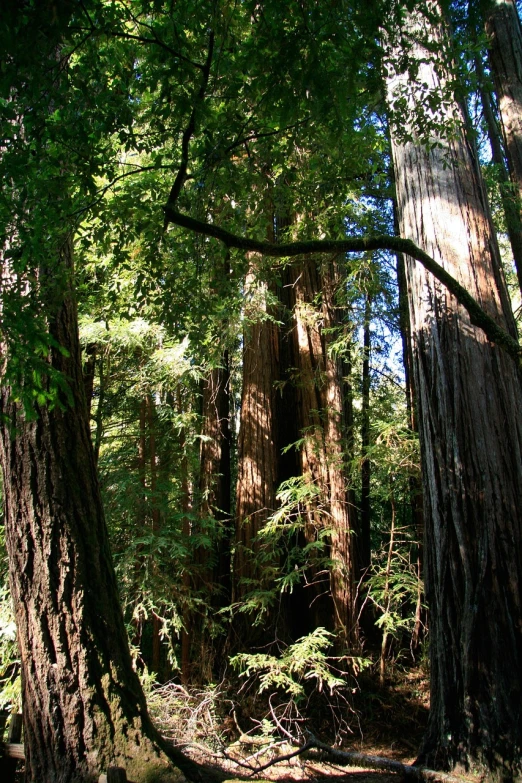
{"x": 477, "y": 315}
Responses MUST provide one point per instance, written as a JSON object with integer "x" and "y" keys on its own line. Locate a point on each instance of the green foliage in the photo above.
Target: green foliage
{"x": 394, "y": 586}
{"x": 305, "y": 661}
{"x": 96, "y": 117}
{"x": 283, "y": 555}
{"x": 10, "y": 685}
{"x": 282, "y": 533}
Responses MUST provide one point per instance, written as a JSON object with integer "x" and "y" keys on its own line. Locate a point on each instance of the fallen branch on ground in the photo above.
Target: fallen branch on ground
{"x": 354, "y": 759}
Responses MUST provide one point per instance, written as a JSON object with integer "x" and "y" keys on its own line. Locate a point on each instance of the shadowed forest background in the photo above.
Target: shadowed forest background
{"x": 259, "y": 436}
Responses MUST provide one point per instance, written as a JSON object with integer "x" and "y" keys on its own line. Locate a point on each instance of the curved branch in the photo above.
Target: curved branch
{"x": 477, "y": 315}
{"x": 181, "y": 176}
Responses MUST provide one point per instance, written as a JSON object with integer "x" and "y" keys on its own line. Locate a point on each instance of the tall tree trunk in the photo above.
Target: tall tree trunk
{"x": 364, "y": 529}
{"x": 510, "y": 203}
{"x": 415, "y": 482}
{"x": 98, "y": 419}
{"x": 257, "y": 442}
{"x": 470, "y": 418}
{"x": 341, "y": 511}
{"x": 185, "y": 505}
{"x": 215, "y": 487}
{"x": 214, "y": 444}
{"x": 155, "y": 520}
{"x": 505, "y": 38}
{"x": 405, "y": 329}
{"x": 321, "y": 424}
{"x": 82, "y": 701}
{"x": 214, "y": 559}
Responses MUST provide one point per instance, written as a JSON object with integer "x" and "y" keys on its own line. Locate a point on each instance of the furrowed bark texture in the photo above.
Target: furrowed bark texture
{"x": 257, "y": 442}
{"x": 505, "y": 36}
{"x": 82, "y": 702}
{"x": 321, "y": 423}
{"x": 470, "y": 421}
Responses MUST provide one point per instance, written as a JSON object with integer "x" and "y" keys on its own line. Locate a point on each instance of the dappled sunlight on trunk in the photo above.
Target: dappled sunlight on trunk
{"x": 470, "y": 423}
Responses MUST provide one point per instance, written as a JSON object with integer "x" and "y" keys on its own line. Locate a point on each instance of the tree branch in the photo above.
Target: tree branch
{"x": 477, "y": 315}
{"x": 181, "y": 176}
{"x": 156, "y": 41}
{"x": 101, "y": 193}
{"x": 353, "y": 759}
{"x": 263, "y": 135}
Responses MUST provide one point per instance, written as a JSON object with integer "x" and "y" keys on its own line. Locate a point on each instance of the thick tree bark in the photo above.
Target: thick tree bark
{"x": 83, "y": 705}
{"x": 257, "y": 442}
{"x": 470, "y": 419}
{"x": 321, "y": 424}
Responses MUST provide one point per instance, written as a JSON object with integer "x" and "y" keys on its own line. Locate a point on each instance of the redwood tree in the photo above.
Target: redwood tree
{"x": 257, "y": 441}
{"x": 470, "y": 419}
{"x": 311, "y": 287}
{"x": 83, "y": 705}
{"x": 505, "y": 40}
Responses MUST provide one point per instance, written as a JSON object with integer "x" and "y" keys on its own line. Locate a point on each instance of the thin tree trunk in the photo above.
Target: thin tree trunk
{"x": 213, "y": 483}
{"x": 505, "y": 39}
{"x": 215, "y": 487}
{"x": 342, "y": 513}
{"x": 98, "y": 419}
{"x": 141, "y": 510}
{"x": 364, "y": 529}
{"x": 510, "y": 203}
{"x": 185, "y": 503}
{"x": 470, "y": 417}
{"x": 155, "y": 519}
{"x": 386, "y": 596}
{"x": 215, "y": 466}
{"x": 415, "y": 482}
{"x": 89, "y": 371}
{"x": 405, "y": 329}
{"x": 83, "y": 705}
{"x": 214, "y": 560}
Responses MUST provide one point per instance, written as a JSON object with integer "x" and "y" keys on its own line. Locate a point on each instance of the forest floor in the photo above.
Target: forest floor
{"x": 386, "y": 721}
